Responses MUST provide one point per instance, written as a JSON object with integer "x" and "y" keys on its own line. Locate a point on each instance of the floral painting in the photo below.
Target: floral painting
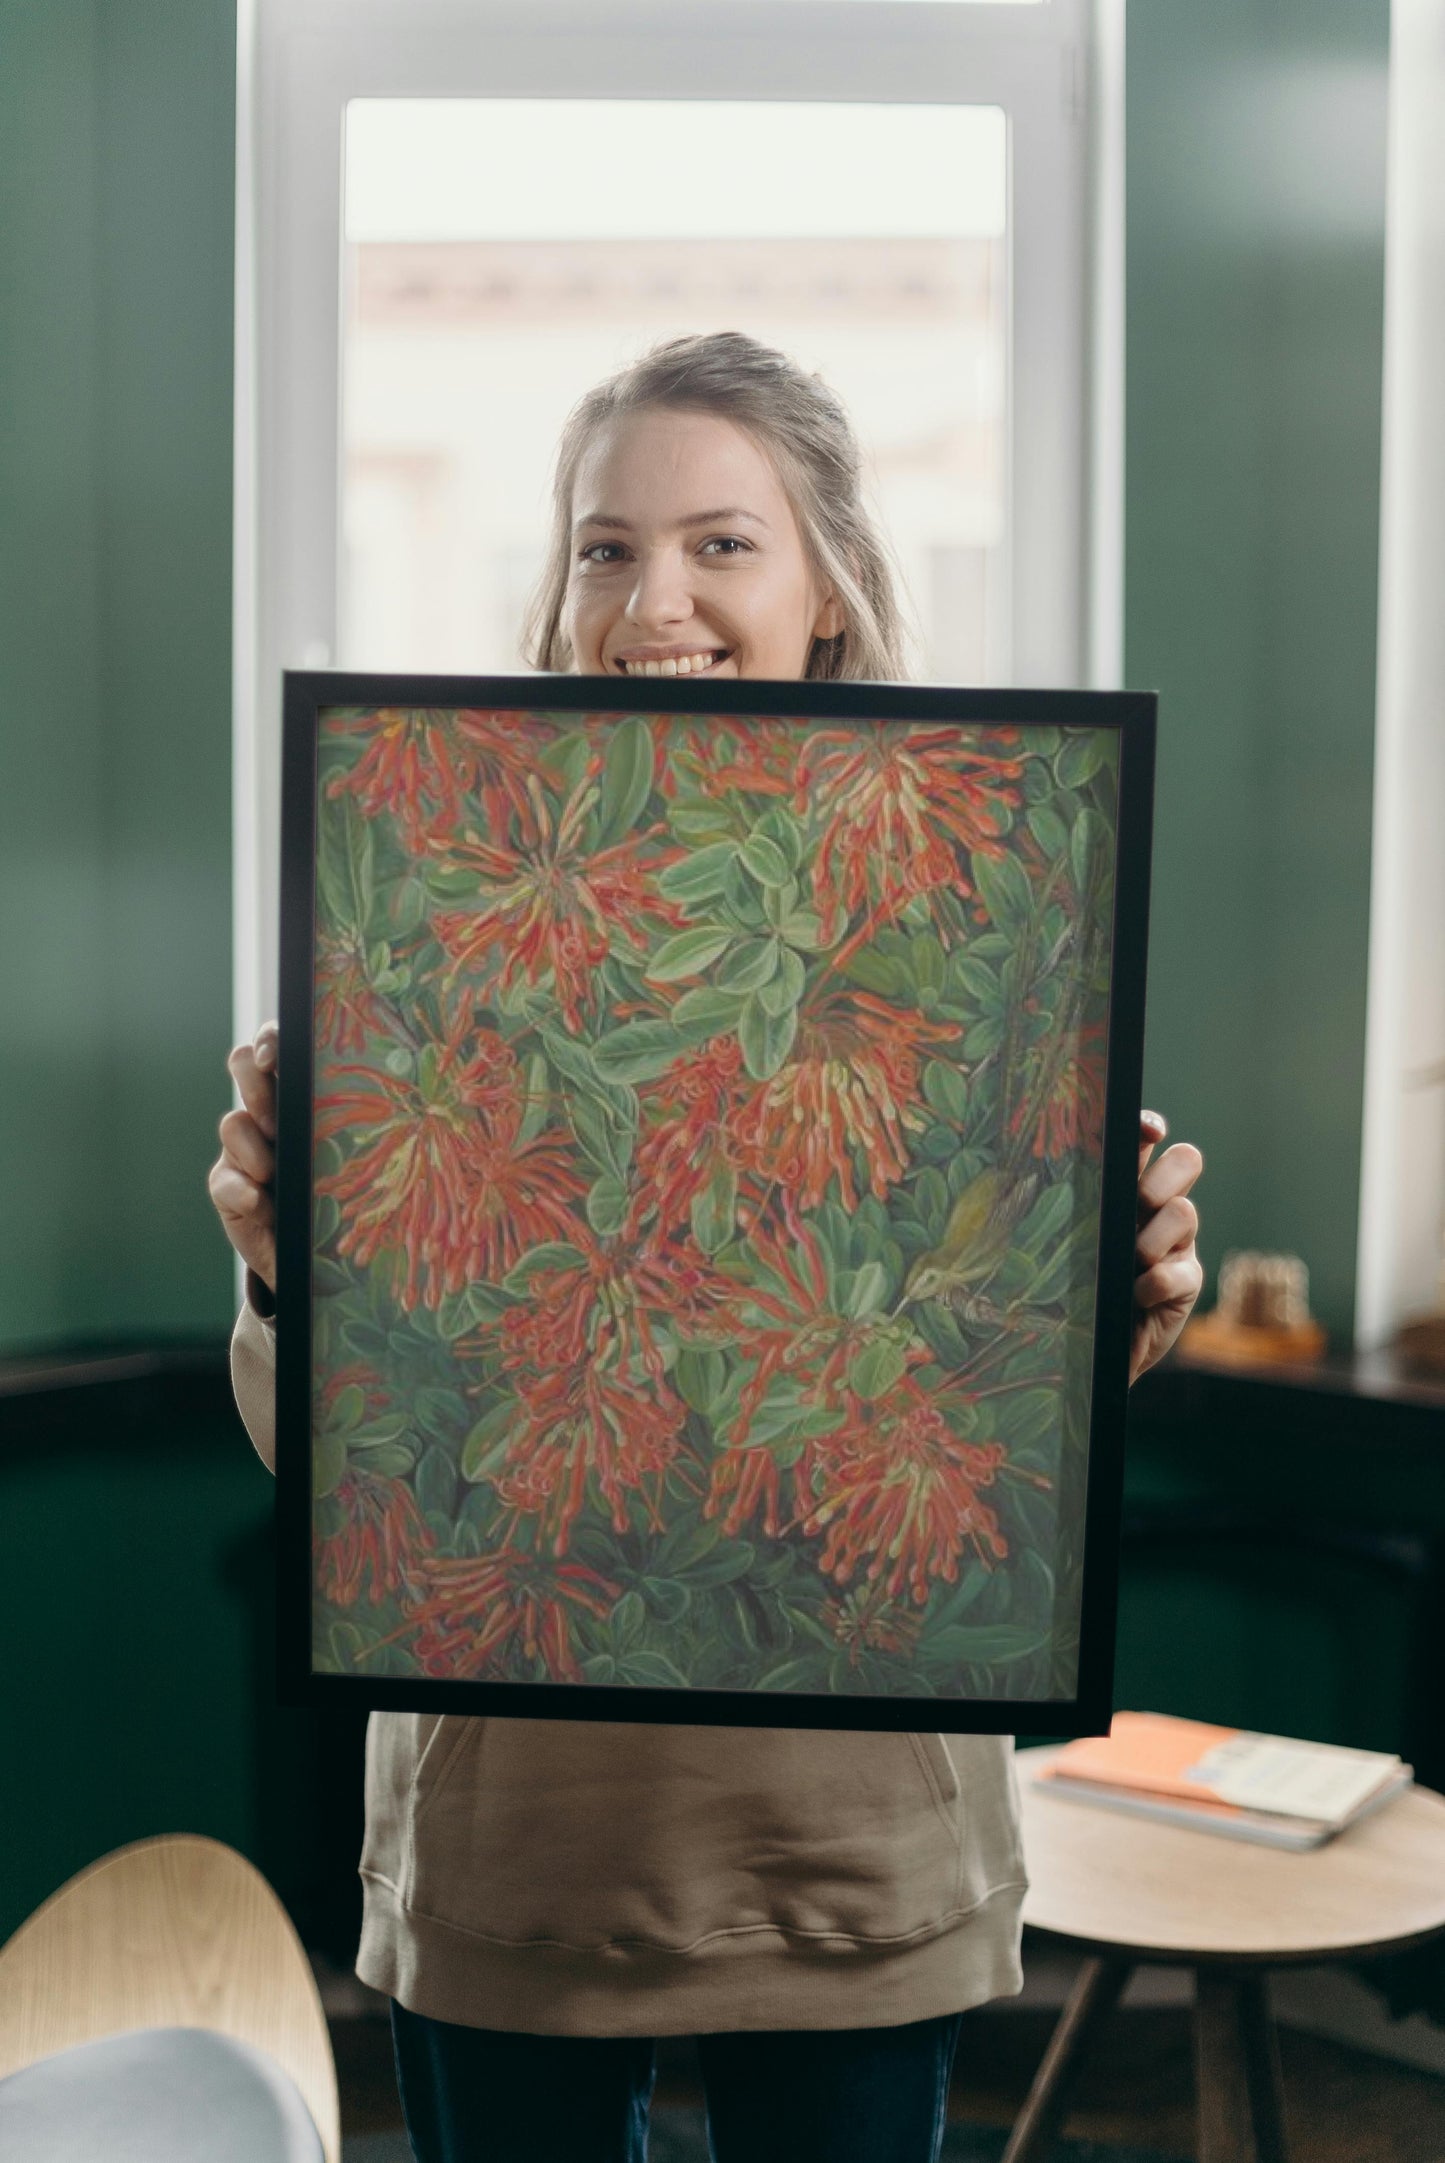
{"x": 707, "y": 1122}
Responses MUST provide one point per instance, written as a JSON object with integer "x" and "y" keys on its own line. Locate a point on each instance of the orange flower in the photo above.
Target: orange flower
{"x": 419, "y": 765}
{"x": 440, "y": 1175}
{"x": 383, "y": 1537}
{"x": 901, "y": 806}
{"x": 852, "y": 1083}
{"x": 489, "y": 1613}
{"x": 348, "y": 1010}
{"x": 901, "y": 1496}
{"x": 1072, "y": 1118}
{"x": 548, "y": 906}
{"x": 742, "y": 1482}
{"x": 756, "y": 756}
{"x": 677, "y": 1156}
{"x": 585, "y": 1426}
{"x": 588, "y": 1370}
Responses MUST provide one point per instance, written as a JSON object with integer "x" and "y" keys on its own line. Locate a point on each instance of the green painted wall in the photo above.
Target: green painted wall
{"x": 1255, "y": 267}
{"x": 117, "y": 134}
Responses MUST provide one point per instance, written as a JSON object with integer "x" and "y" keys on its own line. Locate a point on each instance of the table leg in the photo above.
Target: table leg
{"x": 1261, "y": 2045}
{"x": 1241, "y": 2118}
{"x": 1094, "y": 1995}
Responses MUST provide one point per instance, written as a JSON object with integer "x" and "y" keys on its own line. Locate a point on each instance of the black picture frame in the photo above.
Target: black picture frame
{"x": 1131, "y": 718}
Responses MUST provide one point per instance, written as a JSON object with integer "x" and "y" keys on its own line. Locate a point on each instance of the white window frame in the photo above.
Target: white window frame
{"x": 1056, "y": 69}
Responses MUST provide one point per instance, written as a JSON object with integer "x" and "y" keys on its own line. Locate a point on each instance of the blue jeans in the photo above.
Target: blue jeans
{"x": 830, "y": 2095}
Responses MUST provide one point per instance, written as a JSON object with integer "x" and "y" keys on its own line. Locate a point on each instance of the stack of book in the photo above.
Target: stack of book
{"x": 1269, "y": 1788}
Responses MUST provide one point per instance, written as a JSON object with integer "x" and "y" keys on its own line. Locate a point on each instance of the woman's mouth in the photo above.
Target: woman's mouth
{"x": 677, "y": 664}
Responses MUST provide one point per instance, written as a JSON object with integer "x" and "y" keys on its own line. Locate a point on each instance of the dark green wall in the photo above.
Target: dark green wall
{"x": 117, "y": 133}
{"x": 1255, "y": 266}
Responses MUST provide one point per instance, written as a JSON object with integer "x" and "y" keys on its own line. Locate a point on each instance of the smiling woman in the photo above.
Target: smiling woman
{"x": 644, "y": 577}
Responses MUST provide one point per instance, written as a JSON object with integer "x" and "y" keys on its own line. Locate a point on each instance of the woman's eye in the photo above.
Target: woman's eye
{"x": 602, "y": 552}
{"x": 726, "y": 544}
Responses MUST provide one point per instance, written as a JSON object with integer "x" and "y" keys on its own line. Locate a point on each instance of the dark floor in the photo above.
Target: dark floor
{"x": 1343, "y": 2105}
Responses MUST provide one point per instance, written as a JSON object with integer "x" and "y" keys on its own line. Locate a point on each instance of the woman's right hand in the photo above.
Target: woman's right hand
{"x": 242, "y": 1178}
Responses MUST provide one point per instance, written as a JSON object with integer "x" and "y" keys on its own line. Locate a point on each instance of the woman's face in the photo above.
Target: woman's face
{"x": 686, "y": 556}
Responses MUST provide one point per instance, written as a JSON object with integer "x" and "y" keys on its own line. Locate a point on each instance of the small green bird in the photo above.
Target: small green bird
{"x": 975, "y": 1240}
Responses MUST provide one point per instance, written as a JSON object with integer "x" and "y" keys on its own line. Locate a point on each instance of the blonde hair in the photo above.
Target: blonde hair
{"x": 805, "y": 429}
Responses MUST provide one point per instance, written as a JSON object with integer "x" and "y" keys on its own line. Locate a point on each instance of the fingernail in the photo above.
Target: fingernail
{"x": 1156, "y": 1119}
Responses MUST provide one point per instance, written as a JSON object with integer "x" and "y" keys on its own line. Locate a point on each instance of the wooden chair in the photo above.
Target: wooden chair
{"x": 1126, "y": 1890}
{"x": 176, "y": 1932}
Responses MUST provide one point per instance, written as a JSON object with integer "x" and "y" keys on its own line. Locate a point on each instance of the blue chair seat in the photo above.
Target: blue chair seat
{"x": 156, "y": 2095}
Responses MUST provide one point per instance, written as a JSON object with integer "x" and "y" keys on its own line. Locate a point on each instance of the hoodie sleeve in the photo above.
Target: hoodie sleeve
{"x": 253, "y": 1368}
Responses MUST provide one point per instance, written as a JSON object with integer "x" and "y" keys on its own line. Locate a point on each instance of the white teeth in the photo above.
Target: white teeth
{"x": 686, "y": 664}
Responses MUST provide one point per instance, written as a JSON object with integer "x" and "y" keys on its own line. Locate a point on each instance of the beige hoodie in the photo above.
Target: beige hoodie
{"x": 579, "y": 1877}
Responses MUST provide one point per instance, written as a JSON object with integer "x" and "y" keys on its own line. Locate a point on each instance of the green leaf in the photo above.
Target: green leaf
{"x": 1088, "y": 848}
{"x": 699, "y": 877}
{"x": 875, "y": 972}
{"x": 749, "y": 965}
{"x": 1080, "y": 756}
{"x": 1004, "y": 885}
{"x": 346, "y": 1646}
{"x": 652, "y": 1669}
{"x": 485, "y": 1448}
{"x": 549, "y": 1254}
{"x": 684, "y": 1545}
{"x": 804, "y": 928}
{"x": 607, "y": 1205}
{"x": 985, "y": 1036}
{"x": 436, "y": 1482}
{"x": 629, "y": 1620}
{"x": 328, "y": 1462}
{"x": 946, "y": 1090}
{"x": 864, "y": 1290}
{"x": 1047, "y": 1220}
{"x": 714, "y": 1210}
{"x": 1048, "y": 830}
{"x": 987, "y": 1645}
{"x": 667, "y": 1599}
{"x": 780, "y": 903}
{"x": 688, "y": 953}
{"x": 877, "y": 1367}
{"x": 742, "y": 897}
{"x": 705, "y": 822}
{"x": 778, "y": 825}
{"x": 534, "y": 1115}
{"x": 802, "y": 1674}
{"x": 700, "y": 1379}
{"x": 705, "y": 1012}
{"x": 765, "y": 860}
{"x": 766, "y": 1039}
{"x": 926, "y": 961}
{"x": 626, "y": 779}
{"x": 348, "y": 1410}
{"x": 727, "y": 1561}
{"x": 786, "y": 988}
{"x": 977, "y": 979}
{"x": 638, "y": 1051}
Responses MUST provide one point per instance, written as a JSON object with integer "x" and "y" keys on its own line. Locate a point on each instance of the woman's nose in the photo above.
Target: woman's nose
{"x": 661, "y": 595}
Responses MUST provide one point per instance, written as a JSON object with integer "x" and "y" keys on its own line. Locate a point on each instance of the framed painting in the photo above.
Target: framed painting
{"x": 708, "y": 1137}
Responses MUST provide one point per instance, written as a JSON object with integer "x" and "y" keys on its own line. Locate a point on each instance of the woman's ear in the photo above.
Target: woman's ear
{"x": 830, "y": 619}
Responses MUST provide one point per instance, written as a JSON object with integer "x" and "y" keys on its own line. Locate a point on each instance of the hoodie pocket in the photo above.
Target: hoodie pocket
{"x": 592, "y": 1833}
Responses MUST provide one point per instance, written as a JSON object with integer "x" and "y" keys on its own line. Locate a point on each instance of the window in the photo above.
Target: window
{"x": 473, "y": 319}
{"x": 452, "y": 219}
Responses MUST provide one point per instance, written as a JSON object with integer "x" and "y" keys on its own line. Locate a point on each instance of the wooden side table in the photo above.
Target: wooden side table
{"x": 1125, "y": 1891}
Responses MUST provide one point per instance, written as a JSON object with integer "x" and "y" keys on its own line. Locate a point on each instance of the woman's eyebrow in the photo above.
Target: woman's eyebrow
{"x": 730, "y": 515}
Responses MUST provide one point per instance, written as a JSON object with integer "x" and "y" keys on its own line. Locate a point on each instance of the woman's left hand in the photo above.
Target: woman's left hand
{"x": 1168, "y": 1275}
